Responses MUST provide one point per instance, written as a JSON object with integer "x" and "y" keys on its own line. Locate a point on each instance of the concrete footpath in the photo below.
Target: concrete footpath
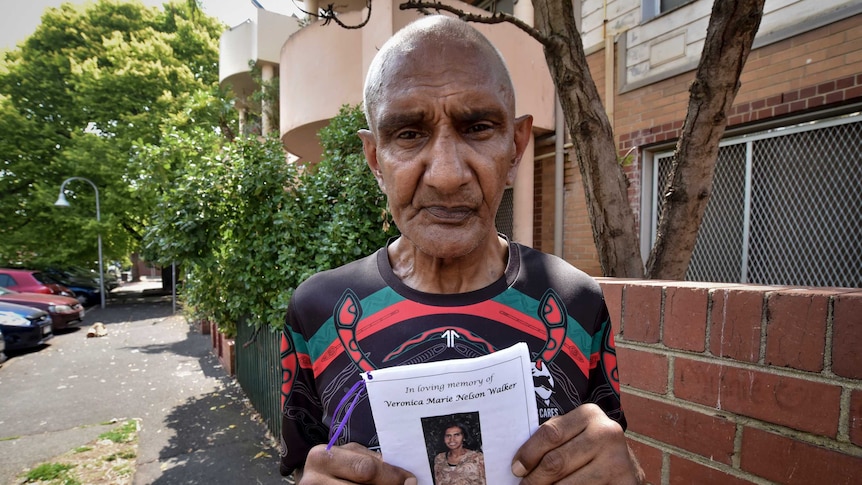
{"x": 196, "y": 423}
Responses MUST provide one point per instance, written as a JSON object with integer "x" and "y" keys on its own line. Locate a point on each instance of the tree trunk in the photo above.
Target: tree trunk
{"x": 732, "y": 27}
{"x": 605, "y": 185}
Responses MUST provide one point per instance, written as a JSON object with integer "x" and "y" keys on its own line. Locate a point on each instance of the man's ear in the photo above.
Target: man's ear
{"x": 369, "y": 147}
{"x": 523, "y": 134}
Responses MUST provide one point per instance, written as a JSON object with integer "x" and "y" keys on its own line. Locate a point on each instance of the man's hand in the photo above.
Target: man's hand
{"x": 351, "y": 463}
{"x": 582, "y": 446}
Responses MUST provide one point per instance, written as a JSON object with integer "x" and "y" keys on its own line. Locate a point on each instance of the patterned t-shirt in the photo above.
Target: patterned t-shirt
{"x": 361, "y": 317}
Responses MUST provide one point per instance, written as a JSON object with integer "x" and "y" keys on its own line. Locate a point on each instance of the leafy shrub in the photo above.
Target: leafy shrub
{"x": 249, "y": 226}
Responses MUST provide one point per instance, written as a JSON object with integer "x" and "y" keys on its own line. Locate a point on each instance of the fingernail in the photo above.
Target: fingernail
{"x": 518, "y": 469}
{"x": 411, "y": 481}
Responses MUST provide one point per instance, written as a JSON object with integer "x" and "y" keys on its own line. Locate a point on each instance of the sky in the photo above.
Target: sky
{"x": 21, "y": 17}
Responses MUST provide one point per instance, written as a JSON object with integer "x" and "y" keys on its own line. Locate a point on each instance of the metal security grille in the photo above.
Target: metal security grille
{"x": 505, "y": 214}
{"x": 786, "y": 207}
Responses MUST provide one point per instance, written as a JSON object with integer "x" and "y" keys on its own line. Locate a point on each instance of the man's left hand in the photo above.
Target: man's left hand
{"x": 582, "y": 446}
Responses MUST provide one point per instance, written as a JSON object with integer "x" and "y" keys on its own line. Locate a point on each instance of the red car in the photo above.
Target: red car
{"x": 27, "y": 280}
{"x": 65, "y": 311}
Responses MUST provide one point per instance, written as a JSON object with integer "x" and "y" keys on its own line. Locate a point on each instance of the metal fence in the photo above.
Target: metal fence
{"x": 258, "y": 371}
{"x": 786, "y": 207}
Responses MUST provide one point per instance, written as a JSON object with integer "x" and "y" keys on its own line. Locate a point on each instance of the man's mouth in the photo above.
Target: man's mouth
{"x": 449, "y": 214}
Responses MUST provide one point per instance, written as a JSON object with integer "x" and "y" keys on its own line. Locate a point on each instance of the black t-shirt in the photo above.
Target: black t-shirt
{"x": 361, "y": 317}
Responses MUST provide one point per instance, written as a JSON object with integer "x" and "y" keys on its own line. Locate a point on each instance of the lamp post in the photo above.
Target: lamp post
{"x": 62, "y": 202}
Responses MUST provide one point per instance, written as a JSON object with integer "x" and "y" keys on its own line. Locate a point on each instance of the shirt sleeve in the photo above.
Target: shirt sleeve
{"x": 604, "y": 374}
{"x": 302, "y": 426}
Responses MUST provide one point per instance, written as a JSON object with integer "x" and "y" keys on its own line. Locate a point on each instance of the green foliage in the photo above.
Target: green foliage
{"x": 51, "y": 472}
{"x": 266, "y": 96}
{"x": 80, "y": 97}
{"x": 121, "y": 434}
{"x": 249, "y": 226}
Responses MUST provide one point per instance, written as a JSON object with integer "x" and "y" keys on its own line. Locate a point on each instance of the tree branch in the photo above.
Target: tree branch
{"x": 495, "y": 18}
{"x": 330, "y": 15}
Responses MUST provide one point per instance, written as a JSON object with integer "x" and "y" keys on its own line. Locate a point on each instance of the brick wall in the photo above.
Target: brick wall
{"x": 731, "y": 384}
{"x": 809, "y": 71}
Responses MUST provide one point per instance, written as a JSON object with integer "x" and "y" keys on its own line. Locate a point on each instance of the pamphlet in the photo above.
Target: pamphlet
{"x": 490, "y": 397}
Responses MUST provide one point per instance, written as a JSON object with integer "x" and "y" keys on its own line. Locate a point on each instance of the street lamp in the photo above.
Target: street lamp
{"x": 62, "y": 202}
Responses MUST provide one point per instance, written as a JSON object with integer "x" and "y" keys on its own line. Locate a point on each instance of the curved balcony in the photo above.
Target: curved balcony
{"x": 258, "y": 39}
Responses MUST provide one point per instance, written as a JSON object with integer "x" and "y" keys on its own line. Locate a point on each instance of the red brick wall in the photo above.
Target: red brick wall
{"x": 579, "y": 248}
{"x": 726, "y": 383}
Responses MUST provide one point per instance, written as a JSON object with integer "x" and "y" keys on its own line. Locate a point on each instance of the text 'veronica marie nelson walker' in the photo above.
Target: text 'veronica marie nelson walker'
{"x": 464, "y": 391}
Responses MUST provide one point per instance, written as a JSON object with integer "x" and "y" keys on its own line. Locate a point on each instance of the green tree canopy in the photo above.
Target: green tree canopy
{"x": 81, "y": 97}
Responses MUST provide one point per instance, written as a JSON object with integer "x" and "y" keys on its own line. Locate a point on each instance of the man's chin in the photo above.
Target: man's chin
{"x": 448, "y": 241}
{"x": 446, "y": 248}
{"x": 445, "y": 253}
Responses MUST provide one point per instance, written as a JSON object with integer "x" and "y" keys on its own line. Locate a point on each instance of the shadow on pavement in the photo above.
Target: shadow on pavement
{"x": 130, "y": 310}
{"x": 190, "y": 346}
{"x": 212, "y": 442}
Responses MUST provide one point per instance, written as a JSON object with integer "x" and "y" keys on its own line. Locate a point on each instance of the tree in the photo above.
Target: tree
{"x": 80, "y": 97}
{"x": 732, "y": 27}
{"x": 250, "y": 227}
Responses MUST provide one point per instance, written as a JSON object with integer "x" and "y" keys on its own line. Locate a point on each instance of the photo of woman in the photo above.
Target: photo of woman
{"x": 462, "y": 462}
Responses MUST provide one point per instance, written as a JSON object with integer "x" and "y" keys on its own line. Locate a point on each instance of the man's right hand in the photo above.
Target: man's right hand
{"x": 351, "y": 463}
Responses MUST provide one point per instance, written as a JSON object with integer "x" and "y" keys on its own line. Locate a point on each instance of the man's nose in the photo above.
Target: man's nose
{"x": 446, "y": 168}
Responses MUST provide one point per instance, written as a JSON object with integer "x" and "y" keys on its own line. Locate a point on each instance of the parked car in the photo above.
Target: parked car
{"x": 65, "y": 311}
{"x": 84, "y": 285}
{"x": 2, "y": 348}
{"x": 23, "y": 326}
{"x": 32, "y": 282}
{"x": 83, "y": 275}
{"x": 86, "y": 294}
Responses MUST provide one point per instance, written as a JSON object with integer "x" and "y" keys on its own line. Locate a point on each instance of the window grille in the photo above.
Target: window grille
{"x": 505, "y": 214}
{"x": 786, "y": 207}
{"x": 504, "y": 6}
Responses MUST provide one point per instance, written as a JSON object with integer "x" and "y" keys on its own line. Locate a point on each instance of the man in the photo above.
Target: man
{"x": 443, "y": 143}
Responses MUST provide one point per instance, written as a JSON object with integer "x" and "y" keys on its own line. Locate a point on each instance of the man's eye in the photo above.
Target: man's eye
{"x": 408, "y": 135}
{"x": 479, "y": 127}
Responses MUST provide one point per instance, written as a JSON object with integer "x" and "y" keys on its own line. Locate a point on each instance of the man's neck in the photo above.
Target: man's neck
{"x": 474, "y": 271}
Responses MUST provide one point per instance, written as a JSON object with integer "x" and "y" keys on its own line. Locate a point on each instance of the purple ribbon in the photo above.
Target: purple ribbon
{"x": 356, "y": 393}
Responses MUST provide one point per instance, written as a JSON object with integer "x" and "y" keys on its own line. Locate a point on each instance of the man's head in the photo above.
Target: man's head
{"x": 442, "y": 32}
{"x": 443, "y": 140}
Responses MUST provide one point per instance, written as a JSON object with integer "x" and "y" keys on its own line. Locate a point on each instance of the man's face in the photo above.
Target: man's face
{"x": 454, "y": 438}
{"x": 444, "y": 147}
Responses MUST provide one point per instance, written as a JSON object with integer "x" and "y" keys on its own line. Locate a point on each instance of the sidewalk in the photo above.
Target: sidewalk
{"x": 196, "y": 423}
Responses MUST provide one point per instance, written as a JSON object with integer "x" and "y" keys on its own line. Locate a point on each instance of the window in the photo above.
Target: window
{"x": 6, "y": 280}
{"x": 667, "y": 5}
{"x": 504, "y": 6}
{"x": 786, "y": 208}
{"x": 654, "y": 8}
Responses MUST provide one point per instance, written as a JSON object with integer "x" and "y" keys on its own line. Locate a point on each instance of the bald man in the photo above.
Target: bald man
{"x": 443, "y": 143}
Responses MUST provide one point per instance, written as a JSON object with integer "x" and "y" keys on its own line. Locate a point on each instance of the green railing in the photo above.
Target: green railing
{"x": 258, "y": 371}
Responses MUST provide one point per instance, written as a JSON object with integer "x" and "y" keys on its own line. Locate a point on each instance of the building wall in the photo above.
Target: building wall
{"x": 579, "y": 249}
{"x": 732, "y": 384}
{"x": 814, "y": 70}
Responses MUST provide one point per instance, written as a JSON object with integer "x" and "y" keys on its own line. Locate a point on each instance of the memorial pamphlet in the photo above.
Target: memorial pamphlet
{"x": 491, "y": 396}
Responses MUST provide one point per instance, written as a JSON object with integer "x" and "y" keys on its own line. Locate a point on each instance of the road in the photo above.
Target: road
{"x": 196, "y": 425}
